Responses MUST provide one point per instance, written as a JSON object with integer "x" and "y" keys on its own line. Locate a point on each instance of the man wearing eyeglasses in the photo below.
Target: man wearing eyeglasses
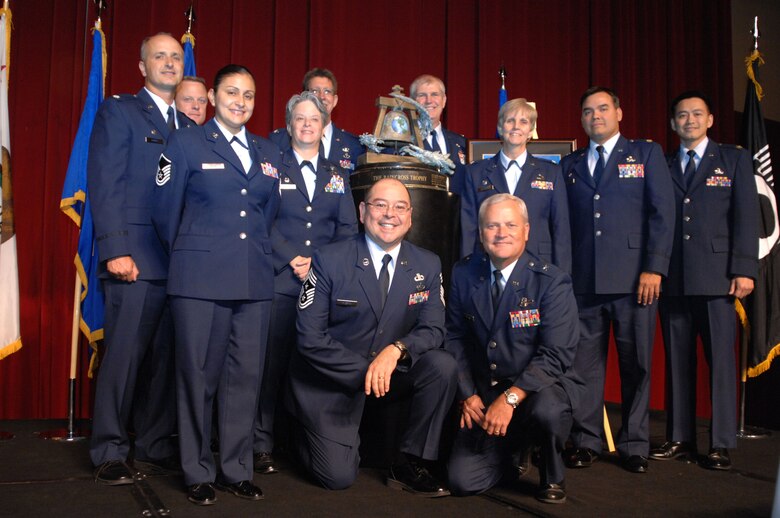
{"x": 338, "y": 146}
{"x": 371, "y": 325}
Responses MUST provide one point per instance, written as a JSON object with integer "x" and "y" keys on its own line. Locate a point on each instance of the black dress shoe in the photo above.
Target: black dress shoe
{"x": 415, "y": 479}
{"x": 201, "y": 494}
{"x": 264, "y": 463}
{"x": 580, "y": 457}
{"x": 551, "y": 494}
{"x": 717, "y": 458}
{"x": 671, "y": 450}
{"x": 521, "y": 461}
{"x": 114, "y": 473}
{"x": 244, "y": 489}
{"x": 635, "y": 464}
{"x": 167, "y": 466}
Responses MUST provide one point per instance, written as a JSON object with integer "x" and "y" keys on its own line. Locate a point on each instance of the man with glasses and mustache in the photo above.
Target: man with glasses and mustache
{"x": 338, "y": 146}
{"x": 371, "y": 325}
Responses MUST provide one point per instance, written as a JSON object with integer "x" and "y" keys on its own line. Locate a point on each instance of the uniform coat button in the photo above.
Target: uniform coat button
{"x": 243, "y": 192}
{"x": 493, "y": 366}
{"x": 242, "y": 235}
{"x": 242, "y": 213}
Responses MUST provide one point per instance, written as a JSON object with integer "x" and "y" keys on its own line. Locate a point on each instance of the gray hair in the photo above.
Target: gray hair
{"x": 515, "y": 105}
{"x": 501, "y": 198}
{"x": 297, "y": 99}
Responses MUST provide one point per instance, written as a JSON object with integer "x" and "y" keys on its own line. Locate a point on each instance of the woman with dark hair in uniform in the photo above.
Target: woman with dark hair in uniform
{"x": 216, "y": 200}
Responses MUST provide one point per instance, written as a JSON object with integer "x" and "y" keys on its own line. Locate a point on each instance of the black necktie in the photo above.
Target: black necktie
{"x": 171, "y": 119}
{"x": 435, "y": 143}
{"x": 308, "y": 164}
{"x": 497, "y": 290}
{"x": 384, "y": 278}
{"x": 599, "y": 169}
{"x": 690, "y": 168}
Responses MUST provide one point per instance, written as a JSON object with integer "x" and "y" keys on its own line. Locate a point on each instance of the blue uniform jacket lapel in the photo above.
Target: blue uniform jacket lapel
{"x": 510, "y": 299}
{"x": 676, "y": 170}
{"x": 294, "y": 172}
{"x": 618, "y": 156}
{"x": 495, "y": 174}
{"x": 221, "y": 146}
{"x": 153, "y": 114}
{"x": 367, "y": 276}
{"x": 706, "y": 166}
{"x": 581, "y": 168}
{"x": 529, "y": 171}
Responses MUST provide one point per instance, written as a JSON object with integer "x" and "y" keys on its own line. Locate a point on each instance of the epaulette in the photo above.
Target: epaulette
{"x": 124, "y": 97}
{"x": 277, "y": 130}
{"x": 730, "y": 146}
{"x": 540, "y": 266}
{"x": 640, "y": 140}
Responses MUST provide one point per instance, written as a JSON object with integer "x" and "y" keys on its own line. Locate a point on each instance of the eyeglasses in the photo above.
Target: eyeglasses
{"x": 324, "y": 91}
{"x": 382, "y": 207}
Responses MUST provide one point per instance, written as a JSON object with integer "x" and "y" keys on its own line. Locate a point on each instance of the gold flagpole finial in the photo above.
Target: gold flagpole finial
{"x": 502, "y": 75}
{"x": 101, "y": 6}
{"x": 755, "y": 33}
{"x": 190, "y": 15}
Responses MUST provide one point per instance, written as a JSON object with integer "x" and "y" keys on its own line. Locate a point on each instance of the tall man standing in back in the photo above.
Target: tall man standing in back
{"x": 338, "y": 146}
{"x": 128, "y": 137}
{"x": 621, "y": 208}
{"x": 714, "y": 259}
{"x": 429, "y": 91}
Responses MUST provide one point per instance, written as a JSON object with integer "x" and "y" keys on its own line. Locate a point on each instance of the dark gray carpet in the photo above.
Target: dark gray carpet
{"x": 46, "y": 478}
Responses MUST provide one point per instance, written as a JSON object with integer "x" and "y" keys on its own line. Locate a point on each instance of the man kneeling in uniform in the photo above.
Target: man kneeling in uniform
{"x": 513, "y": 328}
{"x": 371, "y": 324}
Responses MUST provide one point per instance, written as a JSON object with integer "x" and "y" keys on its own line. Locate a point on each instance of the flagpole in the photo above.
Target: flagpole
{"x": 71, "y": 433}
{"x": 744, "y": 431}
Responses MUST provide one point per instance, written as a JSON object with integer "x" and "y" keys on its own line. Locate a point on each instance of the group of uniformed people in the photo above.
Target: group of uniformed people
{"x": 245, "y": 253}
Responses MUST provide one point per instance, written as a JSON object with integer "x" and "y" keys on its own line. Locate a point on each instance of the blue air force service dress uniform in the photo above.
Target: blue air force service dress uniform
{"x": 715, "y": 240}
{"x": 214, "y": 218}
{"x": 342, "y": 326}
{"x": 620, "y": 228}
{"x": 528, "y": 342}
{"x": 456, "y": 149}
{"x": 345, "y": 148}
{"x": 541, "y": 187}
{"x": 128, "y": 136}
{"x": 302, "y": 226}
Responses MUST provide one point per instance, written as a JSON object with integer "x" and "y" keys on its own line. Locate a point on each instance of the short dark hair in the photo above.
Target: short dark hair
{"x": 320, "y": 72}
{"x": 230, "y": 70}
{"x": 690, "y": 94}
{"x": 598, "y": 89}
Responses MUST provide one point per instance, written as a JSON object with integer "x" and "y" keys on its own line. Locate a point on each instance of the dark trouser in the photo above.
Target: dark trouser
{"x": 430, "y": 384}
{"x": 220, "y": 350}
{"x": 479, "y": 460}
{"x": 281, "y": 343}
{"x": 634, "y": 330}
{"x": 135, "y": 327}
{"x": 714, "y": 319}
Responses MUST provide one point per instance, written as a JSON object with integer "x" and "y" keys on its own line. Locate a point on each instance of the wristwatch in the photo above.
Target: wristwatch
{"x": 512, "y": 399}
{"x": 401, "y": 347}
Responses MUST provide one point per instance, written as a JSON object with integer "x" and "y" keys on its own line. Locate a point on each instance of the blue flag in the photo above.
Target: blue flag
{"x": 75, "y": 202}
{"x": 188, "y": 43}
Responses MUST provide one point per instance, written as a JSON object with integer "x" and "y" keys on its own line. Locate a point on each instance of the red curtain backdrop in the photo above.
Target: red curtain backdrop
{"x": 552, "y": 51}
